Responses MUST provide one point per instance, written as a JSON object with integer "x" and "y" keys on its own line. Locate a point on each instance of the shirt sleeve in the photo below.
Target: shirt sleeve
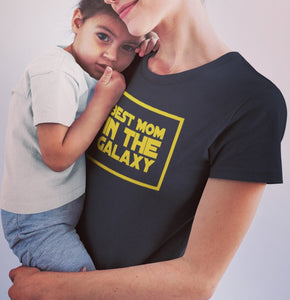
{"x": 54, "y": 98}
{"x": 249, "y": 149}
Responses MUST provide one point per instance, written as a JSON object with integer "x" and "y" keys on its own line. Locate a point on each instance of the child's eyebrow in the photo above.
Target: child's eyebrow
{"x": 114, "y": 35}
{"x": 108, "y": 29}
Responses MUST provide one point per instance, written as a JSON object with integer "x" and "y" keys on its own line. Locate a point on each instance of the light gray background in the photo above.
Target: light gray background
{"x": 259, "y": 30}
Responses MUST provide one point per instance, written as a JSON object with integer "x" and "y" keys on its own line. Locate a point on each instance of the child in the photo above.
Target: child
{"x": 56, "y": 110}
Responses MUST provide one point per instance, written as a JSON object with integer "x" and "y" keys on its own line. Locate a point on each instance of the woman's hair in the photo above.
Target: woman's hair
{"x": 89, "y": 8}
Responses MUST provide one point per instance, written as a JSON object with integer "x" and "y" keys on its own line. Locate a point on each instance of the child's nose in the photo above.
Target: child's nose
{"x": 111, "y": 54}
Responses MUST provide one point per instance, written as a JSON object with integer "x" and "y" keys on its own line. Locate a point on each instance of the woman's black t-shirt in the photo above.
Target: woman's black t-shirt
{"x": 167, "y": 135}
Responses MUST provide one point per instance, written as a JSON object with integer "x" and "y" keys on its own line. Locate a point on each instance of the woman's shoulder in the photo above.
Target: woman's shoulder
{"x": 242, "y": 80}
{"x": 246, "y": 73}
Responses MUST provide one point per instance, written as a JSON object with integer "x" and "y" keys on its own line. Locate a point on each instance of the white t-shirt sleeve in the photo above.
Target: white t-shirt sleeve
{"x": 54, "y": 98}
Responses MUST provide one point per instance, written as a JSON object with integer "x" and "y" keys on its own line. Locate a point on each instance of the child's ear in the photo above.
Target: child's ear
{"x": 77, "y": 20}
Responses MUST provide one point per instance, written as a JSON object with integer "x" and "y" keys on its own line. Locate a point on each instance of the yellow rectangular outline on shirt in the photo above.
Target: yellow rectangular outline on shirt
{"x": 160, "y": 112}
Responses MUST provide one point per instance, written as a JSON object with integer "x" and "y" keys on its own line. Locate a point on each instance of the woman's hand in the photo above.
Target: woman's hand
{"x": 33, "y": 284}
{"x": 24, "y": 282}
{"x": 151, "y": 43}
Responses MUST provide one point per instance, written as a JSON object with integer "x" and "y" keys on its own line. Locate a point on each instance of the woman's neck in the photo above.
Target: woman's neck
{"x": 187, "y": 40}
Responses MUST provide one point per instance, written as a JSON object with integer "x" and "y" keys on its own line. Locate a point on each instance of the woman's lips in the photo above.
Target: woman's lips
{"x": 125, "y": 9}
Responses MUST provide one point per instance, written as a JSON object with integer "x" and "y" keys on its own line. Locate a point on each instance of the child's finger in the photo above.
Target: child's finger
{"x": 143, "y": 48}
{"x": 150, "y": 46}
{"x": 157, "y": 45}
{"x": 106, "y": 77}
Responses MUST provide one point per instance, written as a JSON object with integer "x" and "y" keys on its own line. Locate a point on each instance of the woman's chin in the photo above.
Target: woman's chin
{"x": 136, "y": 30}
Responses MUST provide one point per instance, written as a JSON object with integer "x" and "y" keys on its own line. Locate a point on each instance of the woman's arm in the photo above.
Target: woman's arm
{"x": 222, "y": 219}
{"x": 60, "y": 145}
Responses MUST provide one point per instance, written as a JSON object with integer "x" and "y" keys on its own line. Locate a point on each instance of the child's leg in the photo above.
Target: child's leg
{"x": 48, "y": 240}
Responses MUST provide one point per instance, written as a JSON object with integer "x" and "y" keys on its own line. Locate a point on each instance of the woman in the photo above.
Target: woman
{"x": 181, "y": 163}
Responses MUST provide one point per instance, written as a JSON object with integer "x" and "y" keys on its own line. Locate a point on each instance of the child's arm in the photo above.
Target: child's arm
{"x": 60, "y": 145}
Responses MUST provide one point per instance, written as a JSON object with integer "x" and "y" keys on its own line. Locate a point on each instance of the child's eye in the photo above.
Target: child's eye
{"x": 103, "y": 36}
{"x": 129, "y": 48}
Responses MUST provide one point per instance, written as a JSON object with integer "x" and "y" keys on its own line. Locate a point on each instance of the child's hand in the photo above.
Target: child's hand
{"x": 109, "y": 88}
{"x": 151, "y": 43}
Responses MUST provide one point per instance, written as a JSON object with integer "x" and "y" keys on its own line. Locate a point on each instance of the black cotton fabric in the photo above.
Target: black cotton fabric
{"x": 147, "y": 168}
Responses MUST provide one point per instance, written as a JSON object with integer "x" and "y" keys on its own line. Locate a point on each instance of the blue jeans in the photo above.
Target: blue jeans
{"x": 48, "y": 240}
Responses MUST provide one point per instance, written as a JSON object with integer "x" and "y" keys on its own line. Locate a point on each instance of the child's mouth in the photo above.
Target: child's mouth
{"x": 101, "y": 67}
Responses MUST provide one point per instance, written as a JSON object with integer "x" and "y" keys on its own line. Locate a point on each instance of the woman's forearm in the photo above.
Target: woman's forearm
{"x": 222, "y": 219}
{"x": 164, "y": 280}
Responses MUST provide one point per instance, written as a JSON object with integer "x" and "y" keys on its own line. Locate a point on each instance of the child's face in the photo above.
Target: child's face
{"x": 100, "y": 41}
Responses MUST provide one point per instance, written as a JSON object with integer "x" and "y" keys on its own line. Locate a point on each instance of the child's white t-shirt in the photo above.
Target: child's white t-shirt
{"x": 53, "y": 89}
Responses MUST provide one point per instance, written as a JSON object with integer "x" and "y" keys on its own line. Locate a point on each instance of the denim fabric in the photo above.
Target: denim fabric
{"x": 48, "y": 240}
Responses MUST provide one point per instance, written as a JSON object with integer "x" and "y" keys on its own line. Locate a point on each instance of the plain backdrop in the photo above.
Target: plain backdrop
{"x": 259, "y": 30}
